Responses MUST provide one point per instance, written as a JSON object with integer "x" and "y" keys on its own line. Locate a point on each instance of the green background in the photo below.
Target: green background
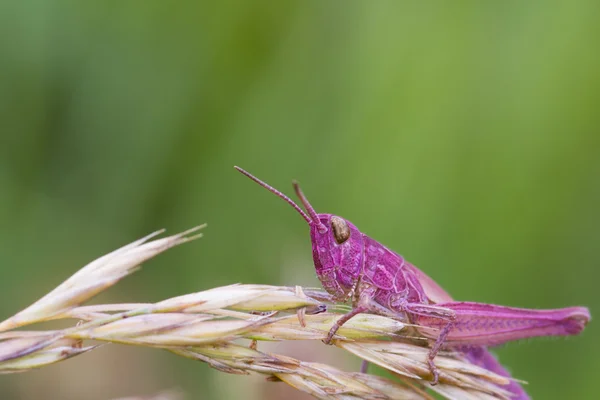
{"x": 462, "y": 135}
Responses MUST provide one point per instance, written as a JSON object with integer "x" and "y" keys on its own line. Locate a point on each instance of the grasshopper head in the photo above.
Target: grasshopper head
{"x": 337, "y": 254}
{"x": 337, "y": 244}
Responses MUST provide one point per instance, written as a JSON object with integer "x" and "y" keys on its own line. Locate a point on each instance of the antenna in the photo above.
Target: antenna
{"x": 309, "y": 208}
{"x": 284, "y": 197}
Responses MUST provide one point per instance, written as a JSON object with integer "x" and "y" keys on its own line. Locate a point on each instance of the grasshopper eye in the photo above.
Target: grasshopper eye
{"x": 341, "y": 230}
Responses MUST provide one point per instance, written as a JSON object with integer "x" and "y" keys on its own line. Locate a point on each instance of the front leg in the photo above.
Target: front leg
{"x": 345, "y": 318}
{"x": 364, "y": 303}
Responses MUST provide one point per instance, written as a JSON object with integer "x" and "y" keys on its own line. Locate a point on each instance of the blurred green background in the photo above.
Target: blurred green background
{"x": 464, "y": 136}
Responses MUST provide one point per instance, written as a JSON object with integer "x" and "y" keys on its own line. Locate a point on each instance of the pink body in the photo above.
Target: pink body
{"x": 353, "y": 267}
{"x": 347, "y": 269}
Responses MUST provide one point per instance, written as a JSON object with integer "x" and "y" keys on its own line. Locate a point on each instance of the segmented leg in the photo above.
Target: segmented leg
{"x": 338, "y": 324}
{"x": 434, "y": 350}
{"x": 490, "y": 325}
{"x": 363, "y": 304}
{"x": 445, "y": 314}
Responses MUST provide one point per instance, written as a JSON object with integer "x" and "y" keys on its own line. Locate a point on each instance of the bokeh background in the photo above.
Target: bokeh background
{"x": 464, "y": 136}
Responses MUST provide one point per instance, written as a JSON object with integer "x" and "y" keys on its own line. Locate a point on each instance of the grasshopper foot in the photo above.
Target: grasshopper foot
{"x": 434, "y": 371}
{"x": 331, "y": 334}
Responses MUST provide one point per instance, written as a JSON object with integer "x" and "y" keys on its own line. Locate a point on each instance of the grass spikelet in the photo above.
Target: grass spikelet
{"x": 96, "y": 277}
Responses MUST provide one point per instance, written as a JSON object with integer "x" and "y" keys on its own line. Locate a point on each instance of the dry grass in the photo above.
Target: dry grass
{"x": 223, "y": 326}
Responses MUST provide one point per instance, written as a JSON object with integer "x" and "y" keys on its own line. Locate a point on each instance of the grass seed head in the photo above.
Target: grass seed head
{"x": 211, "y": 326}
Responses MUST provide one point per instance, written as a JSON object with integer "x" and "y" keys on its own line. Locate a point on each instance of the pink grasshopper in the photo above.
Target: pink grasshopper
{"x": 353, "y": 267}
